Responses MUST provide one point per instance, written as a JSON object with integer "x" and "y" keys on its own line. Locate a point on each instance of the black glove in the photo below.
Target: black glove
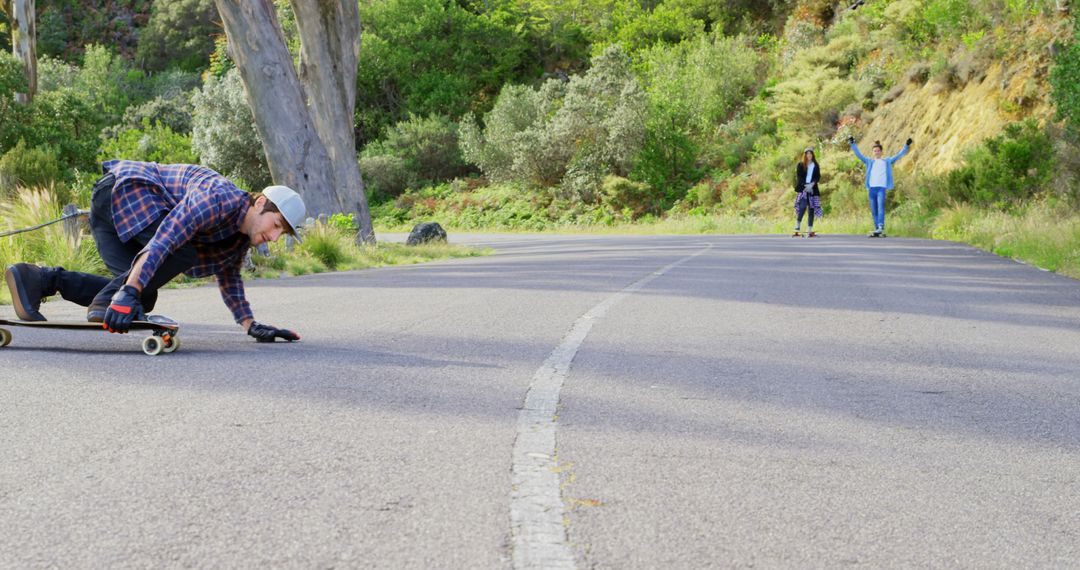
{"x": 909, "y": 141}
{"x": 123, "y": 309}
{"x": 850, "y": 139}
{"x": 265, "y": 333}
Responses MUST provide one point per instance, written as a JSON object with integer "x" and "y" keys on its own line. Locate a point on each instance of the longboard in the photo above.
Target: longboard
{"x": 163, "y": 331}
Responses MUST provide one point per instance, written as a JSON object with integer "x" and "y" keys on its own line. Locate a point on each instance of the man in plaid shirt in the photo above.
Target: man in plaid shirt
{"x": 152, "y": 222}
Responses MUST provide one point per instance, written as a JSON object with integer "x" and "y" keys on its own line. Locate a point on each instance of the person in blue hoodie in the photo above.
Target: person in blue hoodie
{"x": 879, "y": 180}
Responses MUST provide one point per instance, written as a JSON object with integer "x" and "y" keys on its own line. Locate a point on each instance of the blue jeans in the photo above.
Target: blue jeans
{"x": 877, "y": 206}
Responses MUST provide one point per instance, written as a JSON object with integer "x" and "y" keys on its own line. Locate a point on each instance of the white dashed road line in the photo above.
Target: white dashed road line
{"x": 536, "y": 507}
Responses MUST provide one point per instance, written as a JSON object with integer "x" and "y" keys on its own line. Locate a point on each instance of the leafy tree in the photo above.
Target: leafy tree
{"x": 701, "y": 82}
{"x": 636, "y": 27}
{"x": 180, "y": 34}
{"x": 12, "y": 81}
{"x": 455, "y": 61}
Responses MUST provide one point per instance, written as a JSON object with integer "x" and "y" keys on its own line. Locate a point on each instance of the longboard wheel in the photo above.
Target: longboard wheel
{"x": 171, "y": 345}
{"x": 152, "y": 345}
{"x": 5, "y": 337}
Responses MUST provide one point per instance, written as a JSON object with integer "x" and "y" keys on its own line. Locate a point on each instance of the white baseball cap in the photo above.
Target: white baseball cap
{"x": 290, "y": 204}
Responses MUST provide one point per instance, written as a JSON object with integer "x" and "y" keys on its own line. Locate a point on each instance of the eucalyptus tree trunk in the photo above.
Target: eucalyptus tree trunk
{"x": 329, "y": 50}
{"x": 305, "y": 121}
{"x": 24, "y": 45}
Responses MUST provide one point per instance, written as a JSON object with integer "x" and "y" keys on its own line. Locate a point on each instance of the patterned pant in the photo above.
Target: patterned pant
{"x": 804, "y": 200}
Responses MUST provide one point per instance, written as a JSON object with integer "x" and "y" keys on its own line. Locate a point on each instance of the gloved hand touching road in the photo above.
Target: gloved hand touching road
{"x": 267, "y": 333}
{"x": 124, "y": 308}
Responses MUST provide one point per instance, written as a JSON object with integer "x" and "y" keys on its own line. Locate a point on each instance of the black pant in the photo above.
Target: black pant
{"x": 86, "y": 289}
{"x": 809, "y": 219}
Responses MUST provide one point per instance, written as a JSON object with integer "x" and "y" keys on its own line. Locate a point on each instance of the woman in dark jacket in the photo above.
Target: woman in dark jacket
{"x": 807, "y": 195}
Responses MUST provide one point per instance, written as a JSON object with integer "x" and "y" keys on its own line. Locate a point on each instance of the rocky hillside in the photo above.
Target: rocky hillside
{"x": 971, "y": 99}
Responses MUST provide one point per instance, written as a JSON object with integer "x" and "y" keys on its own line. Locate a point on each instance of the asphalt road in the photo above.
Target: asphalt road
{"x": 589, "y": 402}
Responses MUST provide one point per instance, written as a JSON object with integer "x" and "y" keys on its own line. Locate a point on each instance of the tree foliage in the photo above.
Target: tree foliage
{"x": 571, "y": 134}
{"x": 415, "y": 151}
{"x": 455, "y": 62}
{"x": 180, "y": 34}
{"x": 224, "y": 134}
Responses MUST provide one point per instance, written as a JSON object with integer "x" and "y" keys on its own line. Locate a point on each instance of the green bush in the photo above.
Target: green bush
{"x": 700, "y": 83}
{"x": 1005, "y": 169}
{"x": 637, "y": 26}
{"x": 385, "y": 176}
{"x": 12, "y": 115}
{"x": 31, "y": 167}
{"x": 345, "y": 223}
{"x": 570, "y": 135}
{"x": 173, "y": 110}
{"x": 455, "y": 62}
{"x": 636, "y": 199}
{"x": 223, "y": 131}
{"x": 420, "y": 150}
{"x": 150, "y": 143}
{"x": 935, "y": 20}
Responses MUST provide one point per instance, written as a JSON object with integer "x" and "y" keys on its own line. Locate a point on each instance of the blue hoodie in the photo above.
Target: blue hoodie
{"x": 888, "y": 165}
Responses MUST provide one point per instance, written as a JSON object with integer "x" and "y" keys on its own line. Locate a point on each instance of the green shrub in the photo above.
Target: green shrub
{"x": 1005, "y": 169}
{"x": 636, "y": 26}
{"x": 385, "y": 176}
{"x": 700, "y": 83}
{"x": 812, "y": 99}
{"x": 150, "y": 143}
{"x": 636, "y": 199}
{"x": 426, "y": 151}
{"x": 173, "y": 110}
{"x": 345, "y": 223}
{"x": 224, "y": 134}
{"x": 569, "y": 134}
{"x": 31, "y": 167}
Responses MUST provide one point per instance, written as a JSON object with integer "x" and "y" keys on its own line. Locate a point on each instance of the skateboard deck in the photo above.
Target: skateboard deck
{"x": 163, "y": 331}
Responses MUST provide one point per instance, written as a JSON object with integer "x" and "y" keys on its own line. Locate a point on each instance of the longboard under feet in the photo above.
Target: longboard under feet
{"x": 163, "y": 331}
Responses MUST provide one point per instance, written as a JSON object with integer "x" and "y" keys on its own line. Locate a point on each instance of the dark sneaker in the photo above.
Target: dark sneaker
{"x": 811, "y": 234}
{"x": 95, "y": 314}
{"x": 24, "y": 281}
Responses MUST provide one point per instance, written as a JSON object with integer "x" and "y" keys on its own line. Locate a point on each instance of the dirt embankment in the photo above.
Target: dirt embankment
{"x": 954, "y": 110}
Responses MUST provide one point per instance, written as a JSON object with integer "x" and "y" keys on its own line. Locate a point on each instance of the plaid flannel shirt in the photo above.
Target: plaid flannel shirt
{"x": 199, "y": 206}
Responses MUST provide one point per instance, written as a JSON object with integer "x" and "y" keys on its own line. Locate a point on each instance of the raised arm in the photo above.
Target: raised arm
{"x": 903, "y": 151}
{"x": 855, "y": 149}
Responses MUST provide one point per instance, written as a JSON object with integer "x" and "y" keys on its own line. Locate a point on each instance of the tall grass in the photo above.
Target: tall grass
{"x": 46, "y": 246}
{"x": 1041, "y": 234}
